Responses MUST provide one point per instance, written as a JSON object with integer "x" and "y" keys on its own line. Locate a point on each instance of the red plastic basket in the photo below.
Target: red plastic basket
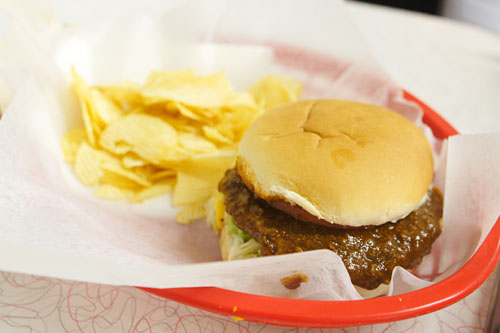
{"x": 306, "y": 313}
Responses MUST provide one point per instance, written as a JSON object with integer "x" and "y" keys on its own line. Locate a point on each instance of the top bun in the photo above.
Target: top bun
{"x": 345, "y": 163}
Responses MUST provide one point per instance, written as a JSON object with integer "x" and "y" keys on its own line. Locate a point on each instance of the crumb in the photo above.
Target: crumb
{"x": 294, "y": 281}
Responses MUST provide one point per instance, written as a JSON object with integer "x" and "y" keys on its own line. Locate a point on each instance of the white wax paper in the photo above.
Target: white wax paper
{"x": 52, "y": 225}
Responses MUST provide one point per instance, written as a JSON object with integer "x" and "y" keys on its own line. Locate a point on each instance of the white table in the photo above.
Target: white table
{"x": 453, "y": 67}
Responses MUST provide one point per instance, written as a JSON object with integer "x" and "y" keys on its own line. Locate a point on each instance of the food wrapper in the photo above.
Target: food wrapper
{"x": 52, "y": 225}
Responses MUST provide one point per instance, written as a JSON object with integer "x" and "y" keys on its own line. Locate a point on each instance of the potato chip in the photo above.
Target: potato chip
{"x": 196, "y": 144}
{"x": 178, "y": 132}
{"x": 163, "y": 174}
{"x": 241, "y": 99}
{"x": 111, "y": 192}
{"x": 127, "y": 95}
{"x": 132, "y": 160}
{"x": 81, "y": 91}
{"x": 120, "y": 171}
{"x": 71, "y": 143}
{"x": 91, "y": 116}
{"x": 187, "y": 88}
{"x": 183, "y": 125}
{"x": 148, "y": 137}
{"x": 186, "y": 111}
{"x": 166, "y": 186}
{"x": 190, "y": 213}
{"x": 197, "y": 179}
{"x": 214, "y": 135}
{"x": 272, "y": 91}
{"x": 112, "y": 164}
{"x": 87, "y": 165}
{"x": 160, "y": 78}
{"x": 115, "y": 179}
{"x": 227, "y": 131}
{"x": 104, "y": 108}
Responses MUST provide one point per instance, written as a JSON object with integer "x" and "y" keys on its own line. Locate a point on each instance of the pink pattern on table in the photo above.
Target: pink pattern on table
{"x": 143, "y": 319}
{"x": 35, "y": 279}
{"x": 36, "y": 314}
{"x": 68, "y": 302}
{"x": 231, "y": 321}
{"x": 54, "y": 305}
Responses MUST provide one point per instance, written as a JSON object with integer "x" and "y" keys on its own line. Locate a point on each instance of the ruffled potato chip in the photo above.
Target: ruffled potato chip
{"x": 126, "y": 95}
{"x": 124, "y": 183}
{"x": 89, "y": 120}
{"x": 214, "y": 135}
{"x": 147, "y": 136}
{"x": 196, "y": 144}
{"x": 113, "y": 165}
{"x": 165, "y": 186}
{"x": 71, "y": 143}
{"x": 88, "y": 165}
{"x": 177, "y": 133}
{"x": 132, "y": 161}
{"x": 190, "y": 213}
{"x": 185, "y": 87}
{"x": 187, "y": 111}
{"x": 166, "y": 173}
{"x": 104, "y": 108}
{"x": 272, "y": 91}
{"x": 112, "y": 192}
{"x": 197, "y": 178}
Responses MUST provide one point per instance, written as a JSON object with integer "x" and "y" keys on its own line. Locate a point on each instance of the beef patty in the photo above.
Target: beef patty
{"x": 369, "y": 253}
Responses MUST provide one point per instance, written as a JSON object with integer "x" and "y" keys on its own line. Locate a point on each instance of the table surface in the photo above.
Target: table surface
{"x": 452, "y": 66}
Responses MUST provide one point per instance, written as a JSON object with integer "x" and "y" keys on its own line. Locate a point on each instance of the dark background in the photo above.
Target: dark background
{"x": 425, "y": 6}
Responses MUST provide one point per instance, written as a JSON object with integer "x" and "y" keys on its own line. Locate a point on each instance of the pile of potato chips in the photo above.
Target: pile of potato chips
{"x": 177, "y": 132}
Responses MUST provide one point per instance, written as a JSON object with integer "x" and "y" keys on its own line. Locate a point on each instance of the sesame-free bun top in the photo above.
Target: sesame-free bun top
{"x": 346, "y": 163}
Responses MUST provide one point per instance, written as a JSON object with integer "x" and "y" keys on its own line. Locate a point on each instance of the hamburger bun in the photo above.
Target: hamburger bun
{"x": 334, "y": 162}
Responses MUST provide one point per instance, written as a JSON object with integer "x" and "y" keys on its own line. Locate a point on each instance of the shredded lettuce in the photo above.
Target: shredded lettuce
{"x": 241, "y": 244}
{"x": 237, "y": 243}
{"x": 232, "y": 229}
